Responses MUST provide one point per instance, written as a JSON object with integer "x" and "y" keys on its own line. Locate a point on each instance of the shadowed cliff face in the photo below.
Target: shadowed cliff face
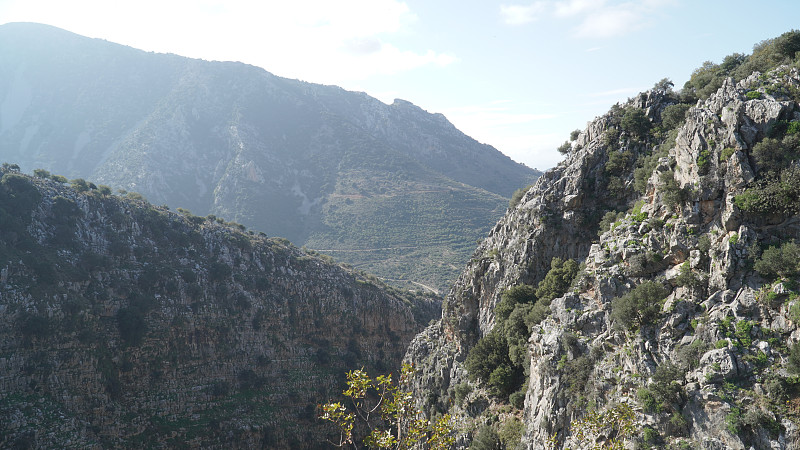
{"x": 315, "y": 164}
{"x": 124, "y": 324}
{"x": 706, "y": 363}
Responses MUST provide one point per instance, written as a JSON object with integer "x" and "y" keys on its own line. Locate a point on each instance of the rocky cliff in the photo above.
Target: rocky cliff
{"x": 372, "y": 184}
{"x": 128, "y": 325}
{"x": 678, "y": 328}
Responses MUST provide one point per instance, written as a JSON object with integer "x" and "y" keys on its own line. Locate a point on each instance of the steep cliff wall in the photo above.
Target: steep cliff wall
{"x": 667, "y": 315}
{"x": 125, "y": 324}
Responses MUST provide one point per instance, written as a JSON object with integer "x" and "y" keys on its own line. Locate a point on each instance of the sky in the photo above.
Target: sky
{"x": 518, "y": 75}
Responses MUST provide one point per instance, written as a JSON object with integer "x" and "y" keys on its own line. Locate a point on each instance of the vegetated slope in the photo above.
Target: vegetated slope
{"x": 645, "y": 291}
{"x": 315, "y": 164}
{"x": 127, "y": 325}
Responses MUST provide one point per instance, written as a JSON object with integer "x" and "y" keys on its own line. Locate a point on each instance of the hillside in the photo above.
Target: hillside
{"x": 328, "y": 169}
{"x": 123, "y": 324}
{"x": 645, "y": 291}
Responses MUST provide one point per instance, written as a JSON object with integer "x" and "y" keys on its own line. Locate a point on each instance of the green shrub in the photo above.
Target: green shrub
{"x": 635, "y": 123}
{"x": 794, "y": 358}
{"x": 564, "y": 148}
{"x": 577, "y": 372}
{"x": 41, "y": 173}
{"x": 512, "y": 297}
{"x": 619, "y": 162}
{"x": 673, "y": 116}
{"x": 742, "y": 332}
{"x": 665, "y": 392}
{"x": 783, "y": 261}
{"x": 79, "y": 184}
{"x": 688, "y": 278}
{"x": 772, "y": 155}
{"x": 753, "y": 95}
{"x": 504, "y": 380}
{"x": 703, "y": 161}
{"x": 485, "y": 439}
{"x": 517, "y": 399}
{"x": 558, "y": 279}
{"x": 688, "y": 356}
{"x": 640, "y": 306}
{"x": 726, "y": 153}
{"x": 733, "y": 420}
{"x": 490, "y": 352}
{"x": 517, "y": 196}
{"x": 672, "y": 194}
{"x": 609, "y": 219}
{"x": 511, "y": 433}
{"x": 461, "y": 391}
{"x": 650, "y": 436}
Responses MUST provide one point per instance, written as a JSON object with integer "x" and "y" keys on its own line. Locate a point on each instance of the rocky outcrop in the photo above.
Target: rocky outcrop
{"x": 710, "y": 369}
{"x": 128, "y": 325}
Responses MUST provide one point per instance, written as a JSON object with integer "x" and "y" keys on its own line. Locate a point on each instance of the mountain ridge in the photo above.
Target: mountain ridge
{"x": 278, "y": 155}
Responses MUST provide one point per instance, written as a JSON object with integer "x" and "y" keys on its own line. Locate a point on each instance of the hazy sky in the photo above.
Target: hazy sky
{"x": 519, "y": 75}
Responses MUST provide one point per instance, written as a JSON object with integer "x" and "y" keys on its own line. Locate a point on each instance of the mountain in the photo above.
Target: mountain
{"x": 390, "y": 189}
{"x": 645, "y": 293}
{"x": 123, "y": 324}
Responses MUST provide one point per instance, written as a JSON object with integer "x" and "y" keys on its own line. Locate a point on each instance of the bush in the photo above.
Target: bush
{"x": 511, "y": 433}
{"x": 640, "y": 306}
{"x": 517, "y": 196}
{"x": 773, "y": 155}
{"x": 490, "y": 352}
{"x": 703, "y": 161}
{"x": 794, "y": 358}
{"x": 609, "y": 219}
{"x": 564, "y": 148}
{"x": 783, "y": 261}
{"x": 774, "y": 194}
{"x": 645, "y": 263}
{"x": 672, "y": 194}
{"x": 485, "y": 439}
{"x": 726, "y": 153}
{"x": 673, "y": 116}
{"x": 558, "y": 279}
{"x": 503, "y": 380}
{"x": 687, "y": 278}
{"x": 41, "y": 173}
{"x": 461, "y": 391}
{"x": 635, "y": 122}
{"x": 753, "y": 95}
{"x": 688, "y": 356}
{"x": 664, "y": 392}
{"x": 512, "y": 297}
{"x": 517, "y": 399}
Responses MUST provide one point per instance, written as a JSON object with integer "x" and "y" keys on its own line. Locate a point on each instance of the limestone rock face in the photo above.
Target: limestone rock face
{"x": 127, "y": 325}
{"x": 719, "y": 340}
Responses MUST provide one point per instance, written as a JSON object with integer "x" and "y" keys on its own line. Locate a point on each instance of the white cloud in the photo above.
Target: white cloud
{"x": 611, "y": 22}
{"x": 592, "y": 18}
{"x": 315, "y": 40}
{"x": 522, "y": 14}
{"x": 576, "y": 7}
